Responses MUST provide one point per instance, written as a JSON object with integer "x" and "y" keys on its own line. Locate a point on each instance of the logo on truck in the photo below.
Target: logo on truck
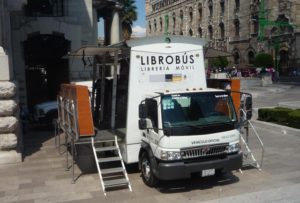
{"x": 167, "y": 63}
{"x": 198, "y": 142}
{"x": 168, "y": 60}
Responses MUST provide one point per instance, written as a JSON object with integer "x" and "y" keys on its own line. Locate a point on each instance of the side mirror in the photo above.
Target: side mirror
{"x": 142, "y": 111}
{"x": 246, "y": 104}
{"x": 142, "y": 124}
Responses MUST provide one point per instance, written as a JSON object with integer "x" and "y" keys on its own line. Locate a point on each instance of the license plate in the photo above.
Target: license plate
{"x": 208, "y": 172}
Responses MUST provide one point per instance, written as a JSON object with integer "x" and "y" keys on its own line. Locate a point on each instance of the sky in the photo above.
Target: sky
{"x": 139, "y": 28}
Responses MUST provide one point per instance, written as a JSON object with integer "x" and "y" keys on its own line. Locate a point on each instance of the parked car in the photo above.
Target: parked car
{"x": 45, "y": 112}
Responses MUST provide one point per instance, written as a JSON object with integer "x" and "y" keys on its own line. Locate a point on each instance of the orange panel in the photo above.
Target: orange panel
{"x": 85, "y": 119}
{"x": 235, "y": 86}
{"x": 80, "y": 96}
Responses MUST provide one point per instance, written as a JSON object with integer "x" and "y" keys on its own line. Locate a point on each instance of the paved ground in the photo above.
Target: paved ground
{"x": 42, "y": 177}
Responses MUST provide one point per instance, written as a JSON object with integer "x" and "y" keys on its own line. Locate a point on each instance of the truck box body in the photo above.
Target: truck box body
{"x": 157, "y": 66}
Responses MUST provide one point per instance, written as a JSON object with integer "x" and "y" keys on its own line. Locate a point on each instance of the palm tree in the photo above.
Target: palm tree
{"x": 128, "y": 15}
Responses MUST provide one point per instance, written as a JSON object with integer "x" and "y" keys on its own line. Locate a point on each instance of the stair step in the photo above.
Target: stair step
{"x": 115, "y": 182}
{"x": 102, "y": 149}
{"x": 109, "y": 159}
{"x": 112, "y": 170}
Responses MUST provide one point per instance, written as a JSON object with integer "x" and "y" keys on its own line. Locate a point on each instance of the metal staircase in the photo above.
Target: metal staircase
{"x": 110, "y": 165}
{"x": 248, "y": 130}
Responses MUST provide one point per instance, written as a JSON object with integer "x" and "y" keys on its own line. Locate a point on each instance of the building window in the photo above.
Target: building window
{"x": 181, "y": 32}
{"x": 200, "y": 32}
{"x": 237, "y": 27}
{"x": 166, "y": 23}
{"x": 251, "y": 57}
{"x": 191, "y": 13}
{"x": 236, "y": 57}
{"x": 149, "y": 25}
{"x": 222, "y": 31}
{"x": 222, "y": 6}
{"x": 155, "y": 25}
{"x": 44, "y": 8}
{"x": 255, "y": 24}
{"x": 200, "y": 12}
{"x": 181, "y": 15}
{"x": 210, "y": 7}
{"x": 237, "y": 5}
{"x": 174, "y": 20}
{"x": 210, "y": 32}
{"x": 160, "y": 24}
{"x": 191, "y": 32}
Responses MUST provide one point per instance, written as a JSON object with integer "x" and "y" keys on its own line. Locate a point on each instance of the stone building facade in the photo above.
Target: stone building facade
{"x": 34, "y": 38}
{"x": 231, "y": 25}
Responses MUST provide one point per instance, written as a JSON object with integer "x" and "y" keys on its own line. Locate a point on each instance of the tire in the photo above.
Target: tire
{"x": 147, "y": 171}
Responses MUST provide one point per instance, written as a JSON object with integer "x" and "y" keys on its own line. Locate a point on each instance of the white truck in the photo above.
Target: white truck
{"x": 175, "y": 125}
{"x": 155, "y": 99}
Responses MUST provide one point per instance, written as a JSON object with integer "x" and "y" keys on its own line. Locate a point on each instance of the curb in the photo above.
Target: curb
{"x": 277, "y": 127}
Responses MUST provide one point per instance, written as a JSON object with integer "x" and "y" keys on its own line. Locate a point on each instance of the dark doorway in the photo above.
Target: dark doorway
{"x": 283, "y": 60}
{"x": 45, "y": 67}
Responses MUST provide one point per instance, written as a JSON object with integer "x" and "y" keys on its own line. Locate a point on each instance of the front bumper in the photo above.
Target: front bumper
{"x": 181, "y": 170}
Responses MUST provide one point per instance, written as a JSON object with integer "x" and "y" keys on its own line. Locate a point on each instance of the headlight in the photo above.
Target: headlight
{"x": 233, "y": 148}
{"x": 168, "y": 155}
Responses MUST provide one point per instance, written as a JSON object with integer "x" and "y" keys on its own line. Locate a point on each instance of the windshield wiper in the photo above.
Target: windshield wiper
{"x": 230, "y": 123}
{"x": 196, "y": 126}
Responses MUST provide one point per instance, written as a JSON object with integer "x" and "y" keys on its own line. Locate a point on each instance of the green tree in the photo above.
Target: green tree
{"x": 128, "y": 15}
{"x": 263, "y": 60}
{"x": 219, "y": 62}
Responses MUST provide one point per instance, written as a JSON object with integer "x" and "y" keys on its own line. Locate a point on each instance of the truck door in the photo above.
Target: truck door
{"x": 152, "y": 119}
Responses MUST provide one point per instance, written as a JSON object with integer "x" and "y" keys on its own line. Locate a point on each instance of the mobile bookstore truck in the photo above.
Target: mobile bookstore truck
{"x": 157, "y": 103}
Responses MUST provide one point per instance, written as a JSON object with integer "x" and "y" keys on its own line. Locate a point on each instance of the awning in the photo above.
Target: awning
{"x": 92, "y": 51}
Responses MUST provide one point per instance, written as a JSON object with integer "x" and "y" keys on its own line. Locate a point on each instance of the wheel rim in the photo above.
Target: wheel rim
{"x": 146, "y": 169}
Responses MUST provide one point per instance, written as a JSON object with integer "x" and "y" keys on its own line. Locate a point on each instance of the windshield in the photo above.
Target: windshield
{"x": 198, "y": 110}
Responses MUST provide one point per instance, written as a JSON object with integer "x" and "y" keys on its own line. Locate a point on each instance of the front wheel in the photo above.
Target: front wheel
{"x": 147, "y": 172}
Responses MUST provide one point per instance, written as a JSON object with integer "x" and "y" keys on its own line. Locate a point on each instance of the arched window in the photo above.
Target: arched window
{"x": 210, "y": 7}
{"x": 222, "y": 6}
{"x": 255, "y": 23}
{"x": 200, "y": 32}
{"x": 222, "y": 31}
{"x": 181, "y": 32}
{"x": 237, "y": 27}
{"x": 149, "y": 26}
{"x": 174, "y": 20}
{"x": 251, "y": 57}
{"x": 166, "y": 23}
{"x": 181, "y": 15}
{"x": 191, "y": 32}
{"x": 237, "y": 5}
{"x": 236, "y": 57}
{"x": 200, "y": 12}
{"x": 191, "y": 13}
{"x": 160, "y": 24}
{"x": 210, "y": 32}
{"x": 155, "y": 25}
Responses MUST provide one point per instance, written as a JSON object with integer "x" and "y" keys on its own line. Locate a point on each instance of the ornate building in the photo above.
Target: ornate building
{"x": 233, "y": 26}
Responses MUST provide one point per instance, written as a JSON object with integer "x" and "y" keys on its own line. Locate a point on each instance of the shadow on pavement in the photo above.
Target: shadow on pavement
{"x": 196, "y": 183}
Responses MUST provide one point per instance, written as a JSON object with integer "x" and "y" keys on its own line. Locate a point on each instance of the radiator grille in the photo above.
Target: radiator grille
{"x": 203, "y": 151}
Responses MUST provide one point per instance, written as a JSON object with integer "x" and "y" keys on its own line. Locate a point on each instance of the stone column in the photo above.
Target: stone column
{"x": 10, "y": 134}
{"x": 115, "y": 28}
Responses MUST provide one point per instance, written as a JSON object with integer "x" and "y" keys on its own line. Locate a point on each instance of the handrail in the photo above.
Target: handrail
{"x": 260, "y": 141}
{"x": 257, "y": 136}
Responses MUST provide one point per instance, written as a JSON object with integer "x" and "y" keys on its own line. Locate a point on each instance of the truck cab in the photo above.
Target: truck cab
{"x": 185, "y": 133}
